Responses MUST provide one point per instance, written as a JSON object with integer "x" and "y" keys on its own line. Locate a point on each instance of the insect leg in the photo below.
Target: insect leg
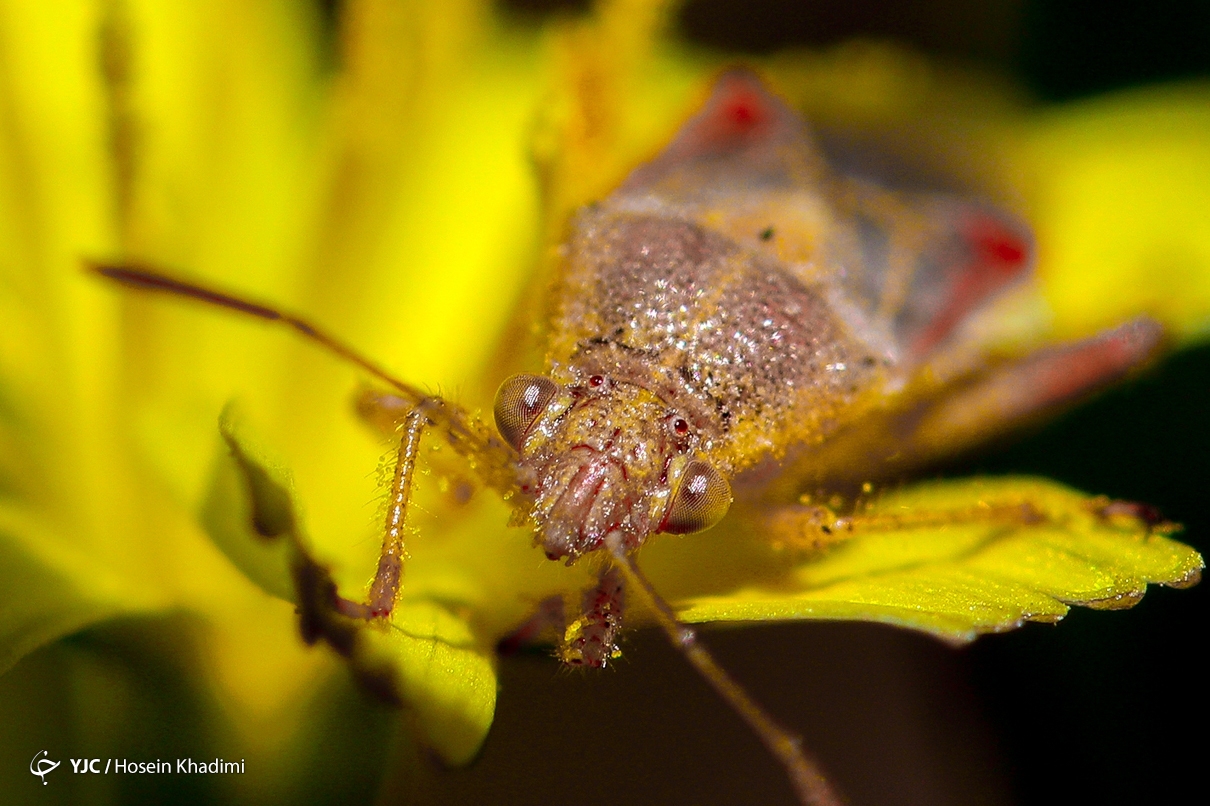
{"x": 387, "y": 578}
{"x": 1037, "y": 382}
{"x": 592, "y": 639}
{"x": 805, "y": 774}
{"x": 815, "y": 528}
{"x": 806, "y": 527}
{"x": 491, "y": 459}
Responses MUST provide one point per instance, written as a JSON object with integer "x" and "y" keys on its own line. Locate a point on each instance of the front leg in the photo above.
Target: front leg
{"x": 814, "y": 528}
{"x": 389, "y": 575}
{"x": 592, "y": 639}
{"x": 492, "y": 460}
{"x": 465, "y": 433}
{"x": 395, "y": 414}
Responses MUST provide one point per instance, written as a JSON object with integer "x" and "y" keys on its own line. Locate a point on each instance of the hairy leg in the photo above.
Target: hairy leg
{"x": 592, "y": 639}
{"x": 389, "y": 575}
{"x": 1038, "y": 382}
{"x": 491, "y": 459}
{"x": 812, "y": 527}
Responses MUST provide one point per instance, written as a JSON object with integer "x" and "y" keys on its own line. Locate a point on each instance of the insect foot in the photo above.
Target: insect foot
{"x": 592, "y": 639}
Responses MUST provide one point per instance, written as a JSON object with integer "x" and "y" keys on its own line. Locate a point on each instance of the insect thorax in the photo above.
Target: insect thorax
{"x": 750, "y": 351}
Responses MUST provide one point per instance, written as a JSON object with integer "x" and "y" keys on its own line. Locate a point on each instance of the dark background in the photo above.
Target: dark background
{"x": 1104, "y": 708}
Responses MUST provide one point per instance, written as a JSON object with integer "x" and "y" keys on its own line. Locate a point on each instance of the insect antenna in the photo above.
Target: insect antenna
{"x": 144, "y": 280}
{"x": 805, "y": 773}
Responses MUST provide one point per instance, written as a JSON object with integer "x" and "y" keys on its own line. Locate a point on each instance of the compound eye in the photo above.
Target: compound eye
{"x": 519, "y": 401}
{"x": 701, "y": 500}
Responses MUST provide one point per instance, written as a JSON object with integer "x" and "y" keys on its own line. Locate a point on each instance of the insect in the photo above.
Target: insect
{"x": 735, "y": 324}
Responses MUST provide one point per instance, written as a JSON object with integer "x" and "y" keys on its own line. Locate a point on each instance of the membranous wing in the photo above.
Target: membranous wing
{"x": 908, "y": 268}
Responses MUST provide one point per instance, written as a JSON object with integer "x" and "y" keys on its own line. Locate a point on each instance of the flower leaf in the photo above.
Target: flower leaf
{"x": 48, "y": 589}
{"x": 445, "y": 676}
{"x": 248, "y": 514}
{"x": 927, "y": 559}
{"x": 425, "y": 658}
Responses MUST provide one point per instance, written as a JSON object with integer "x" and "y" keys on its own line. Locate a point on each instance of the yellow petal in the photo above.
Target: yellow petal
{"x": 1119, "y": 191}
{"x": 48, "y": 590}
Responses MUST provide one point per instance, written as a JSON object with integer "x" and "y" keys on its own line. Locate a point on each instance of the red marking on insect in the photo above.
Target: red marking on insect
{"x": 1136, "y": 510}
{"x": 997, "y": 257}
{"x": 997, "y": 248}
{"x": 741, "y": 115}
{"x": 744, "y": 111}
{"x": 1101, "y": 358}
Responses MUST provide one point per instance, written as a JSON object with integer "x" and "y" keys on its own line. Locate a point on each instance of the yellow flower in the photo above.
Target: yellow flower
{"x": 385, "y": 188}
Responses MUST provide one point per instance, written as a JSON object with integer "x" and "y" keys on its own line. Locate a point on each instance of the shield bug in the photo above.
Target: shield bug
{"x": 735, "y": 324}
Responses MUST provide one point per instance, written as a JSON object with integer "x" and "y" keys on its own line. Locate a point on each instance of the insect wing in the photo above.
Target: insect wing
{"x": 908, "y": 268}
{"x": 969, "y": 254}
{"x": 745, "y": 139}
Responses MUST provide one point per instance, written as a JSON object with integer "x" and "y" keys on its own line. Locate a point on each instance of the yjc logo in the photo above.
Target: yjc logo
{"x": 41, "y": 766}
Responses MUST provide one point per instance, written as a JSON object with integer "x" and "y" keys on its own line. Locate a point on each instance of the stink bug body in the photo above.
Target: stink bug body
{"x": 735, "y": 324}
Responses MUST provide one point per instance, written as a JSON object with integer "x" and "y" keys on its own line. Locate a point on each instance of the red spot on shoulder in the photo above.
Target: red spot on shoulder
{"x": 998, "y": 254}
{"x": 997, "y": 247}
{"x": 740, "y": 113}
{"x": 745, "y": 110}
